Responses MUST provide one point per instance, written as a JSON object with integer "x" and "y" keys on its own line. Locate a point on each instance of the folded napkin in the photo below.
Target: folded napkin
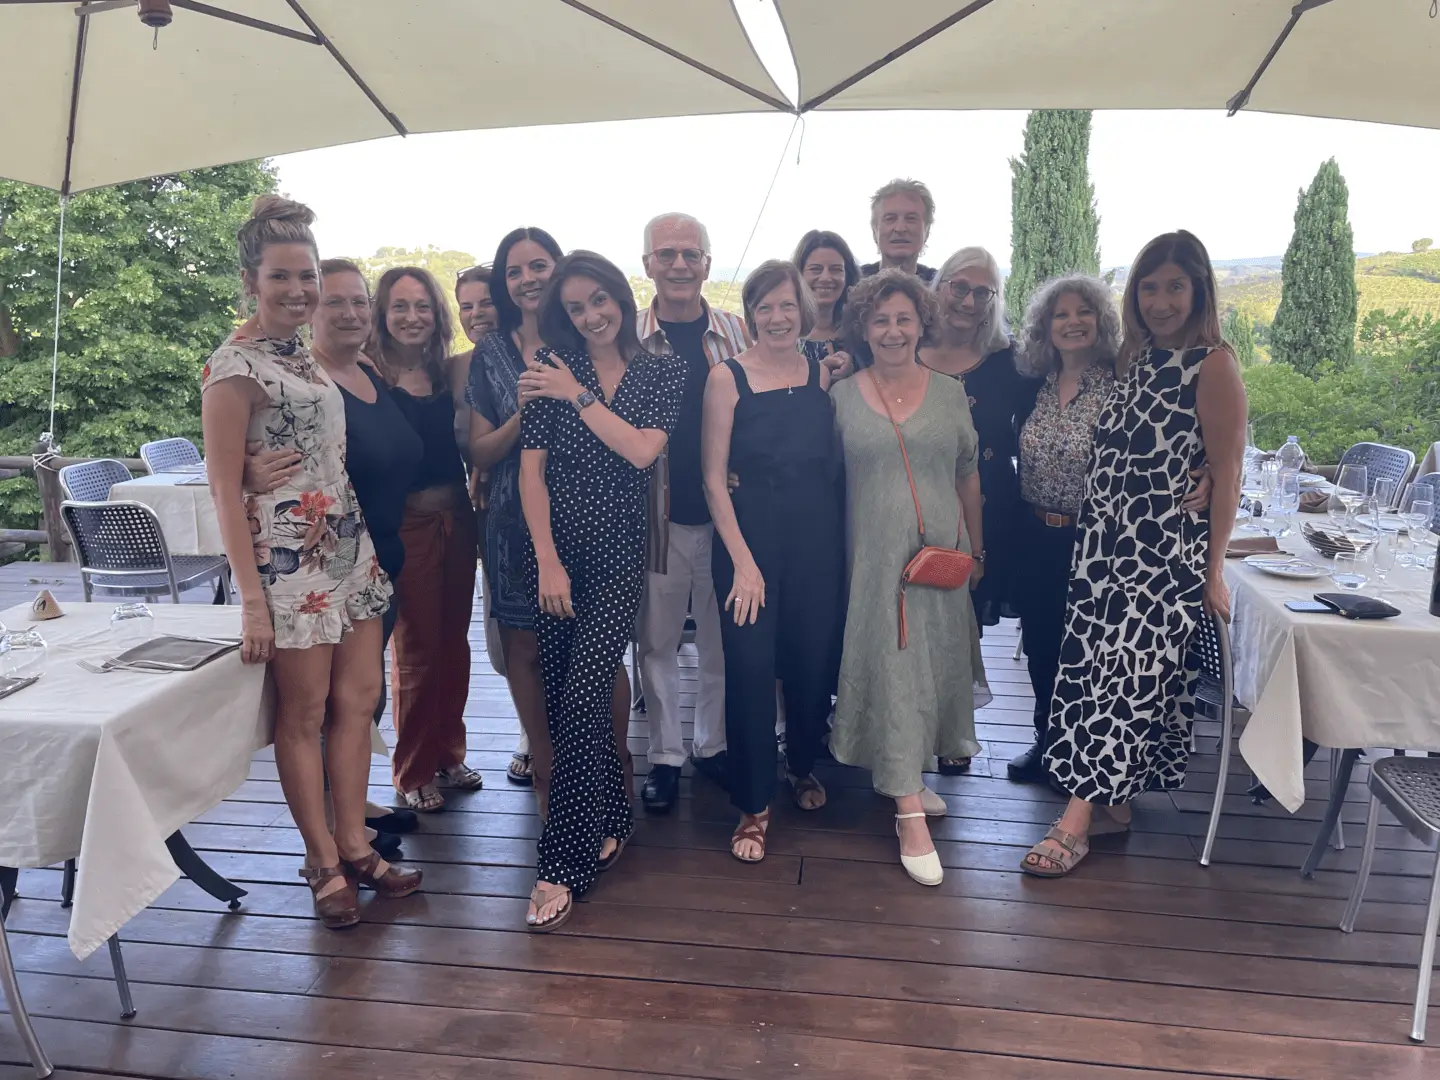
{"x": 1314, "y": 502}
{"x": 1240, "y": 546}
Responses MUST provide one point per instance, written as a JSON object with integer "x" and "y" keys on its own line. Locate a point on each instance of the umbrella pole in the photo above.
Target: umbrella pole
{"x": 48, "y": 436}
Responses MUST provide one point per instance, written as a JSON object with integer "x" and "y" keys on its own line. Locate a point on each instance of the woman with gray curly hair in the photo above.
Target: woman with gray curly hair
{"x": 905, "y": 695}
{"x": 1070, "y": 340}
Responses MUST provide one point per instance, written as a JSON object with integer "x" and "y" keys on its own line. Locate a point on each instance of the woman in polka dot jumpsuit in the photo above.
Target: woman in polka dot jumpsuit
{"x": 597, "y": 411}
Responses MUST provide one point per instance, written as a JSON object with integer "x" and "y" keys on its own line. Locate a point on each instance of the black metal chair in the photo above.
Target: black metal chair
{"x": 1381, "y": 462}
{"x": 166, "y": 455}
{"x": 122, "y": 550}
{"x": 1215, "y": 697}
{"x": 91, "y": 481}
{"x": 10, "y": 983}
{"x": 1410, "y": 789}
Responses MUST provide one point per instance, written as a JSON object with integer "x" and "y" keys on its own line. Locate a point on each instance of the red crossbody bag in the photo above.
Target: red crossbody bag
{"x": 933, "y": 567}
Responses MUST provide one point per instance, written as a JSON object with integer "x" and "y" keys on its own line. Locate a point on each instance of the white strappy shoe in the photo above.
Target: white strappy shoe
{"x": 925, "y": 869}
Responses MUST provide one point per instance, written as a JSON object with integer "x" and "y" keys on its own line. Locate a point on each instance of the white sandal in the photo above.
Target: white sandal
{"x": 462, "y": 777}
{"x": 925, "y": 869}
{"x": 426, "y": 799}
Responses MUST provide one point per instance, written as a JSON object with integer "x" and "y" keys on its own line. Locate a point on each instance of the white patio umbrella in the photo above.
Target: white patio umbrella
{"x": 93, "y": 95}
{"x": 1351, "y": 59}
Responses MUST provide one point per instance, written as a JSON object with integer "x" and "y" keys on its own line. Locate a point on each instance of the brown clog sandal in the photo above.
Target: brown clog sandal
{"x": 393, "y": 883}
{"x": 1041, "y": 863}
{"x": 338, "y": 908}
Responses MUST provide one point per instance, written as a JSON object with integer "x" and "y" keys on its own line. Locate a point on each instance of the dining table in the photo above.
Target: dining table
{"x": 181, "y": 500}
{"x": 1321, "y": 679}
{"x": 101, "y": 771}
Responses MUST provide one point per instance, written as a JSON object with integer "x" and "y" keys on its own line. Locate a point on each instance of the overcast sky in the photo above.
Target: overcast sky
{"x": 1233, "y": 181}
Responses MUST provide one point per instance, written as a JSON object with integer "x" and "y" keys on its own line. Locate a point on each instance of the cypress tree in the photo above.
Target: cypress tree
{"x": 1315, "y": 323}
{"x": 1239, "y": 330}
{"x": 1054, "y": 228}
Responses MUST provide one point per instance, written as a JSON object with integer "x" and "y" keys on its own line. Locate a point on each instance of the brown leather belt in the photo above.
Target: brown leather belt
{"x": 1054, "y": 520}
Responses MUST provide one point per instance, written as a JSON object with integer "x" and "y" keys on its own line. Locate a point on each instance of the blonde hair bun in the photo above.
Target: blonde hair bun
{"x": 279, "y": 208}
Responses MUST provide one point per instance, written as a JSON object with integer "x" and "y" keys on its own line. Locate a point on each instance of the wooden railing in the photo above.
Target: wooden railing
{"x": 51, "y": 534}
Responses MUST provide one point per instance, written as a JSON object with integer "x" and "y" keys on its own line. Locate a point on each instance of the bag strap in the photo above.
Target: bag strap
{"x": 919, "y": 517}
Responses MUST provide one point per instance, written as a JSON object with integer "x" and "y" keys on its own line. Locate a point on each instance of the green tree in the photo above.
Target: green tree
{"x": 1315, "y": 322}
{"x": 1054, "y": 228}
{"x": 1423, "y": 244}
{"x": 149, "y": 289}
{"x": 1240, "y": 333}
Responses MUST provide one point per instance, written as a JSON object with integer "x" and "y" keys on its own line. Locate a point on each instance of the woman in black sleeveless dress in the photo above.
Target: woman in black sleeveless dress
{"x": 769, "y": 420}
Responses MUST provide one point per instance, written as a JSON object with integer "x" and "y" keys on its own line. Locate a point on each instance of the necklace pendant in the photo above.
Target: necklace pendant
{"x": 789, "y": 390}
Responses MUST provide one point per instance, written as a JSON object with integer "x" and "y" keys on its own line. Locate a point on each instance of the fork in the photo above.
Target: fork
{"x": 114, "y": 665}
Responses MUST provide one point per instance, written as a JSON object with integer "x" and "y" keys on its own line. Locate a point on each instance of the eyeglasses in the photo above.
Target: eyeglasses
{"x": 667, "y": 256}
{"x": 961, "y": 289}
{"x": 478, "y": 266}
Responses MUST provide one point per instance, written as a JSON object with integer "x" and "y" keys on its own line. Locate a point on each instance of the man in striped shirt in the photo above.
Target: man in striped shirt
{"x": 679, "y": 321}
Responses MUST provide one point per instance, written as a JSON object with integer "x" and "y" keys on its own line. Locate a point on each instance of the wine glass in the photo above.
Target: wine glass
{"x": 130, "y": 625}
{"x": 1351, "y": 486}
{"x": 1384, "y": 491}
{"x": 1383, "y": 557}
{"x": 29, "y": 653}
{"x": 1349, "y": 571}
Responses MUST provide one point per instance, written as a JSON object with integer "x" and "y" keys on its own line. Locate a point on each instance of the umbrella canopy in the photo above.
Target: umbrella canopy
{"x": 1351, "y": 59}
{"x": 94, "y": 97}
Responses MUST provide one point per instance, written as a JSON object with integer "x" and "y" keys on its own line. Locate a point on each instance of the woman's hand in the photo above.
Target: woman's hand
{"x": 977, "y": 571}
{"x": 1216, "y": 600}
{"x": 747, "y": 594}
{"x": 732, "y": 481}
{"x": 542, "y": 380}
{"x": 555, "y": 590}
{"x": 257, "y": 633}
{"x": 265, "y": 470}
{"x": 1199, "y": 498}
{"x": 479, "y": 489}
{"x": 840, "y": 365}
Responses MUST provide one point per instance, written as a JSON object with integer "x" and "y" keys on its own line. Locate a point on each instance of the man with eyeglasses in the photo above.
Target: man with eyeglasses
{"x": 679, "y": 321}
{"x": 901, "y": 214}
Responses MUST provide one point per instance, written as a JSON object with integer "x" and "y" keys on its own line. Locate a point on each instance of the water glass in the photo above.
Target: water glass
{"x": 28, "y": 653}
{"x": 1349, "y": 571}
{"x": 1285, "y": 504}
{"x": 130, "y": 625}
{"x": 1383, "y": 557}
{"x": 1385, "y": 493}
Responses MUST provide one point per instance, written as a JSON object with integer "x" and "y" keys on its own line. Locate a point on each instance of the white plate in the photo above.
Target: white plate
{"x": 1286, "y": 566}
{"x": 1310, "y": 479}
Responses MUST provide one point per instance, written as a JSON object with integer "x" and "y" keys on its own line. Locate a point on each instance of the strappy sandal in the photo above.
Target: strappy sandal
{"x": 803, "y": 786}
{"x": 395, "y": 882}
{"x": 539, "y": 897}
{"x": 336, "y": 909}
{"x": 605, "y": 862}
{"x": 521, "y": 770}
{"x": 1040, "y": 863}
{"x": 462, "y": 776}
{"x": 754, "y": 832}
{"x": 426, "y": 799}
{"x": 953, "y": 766}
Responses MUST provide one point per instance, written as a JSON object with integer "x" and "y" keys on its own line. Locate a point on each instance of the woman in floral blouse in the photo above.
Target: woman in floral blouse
{"x": 311, "y": 589}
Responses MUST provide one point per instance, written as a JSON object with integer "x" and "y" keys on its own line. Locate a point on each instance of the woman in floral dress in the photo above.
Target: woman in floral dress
{"x": 311, "y": 590}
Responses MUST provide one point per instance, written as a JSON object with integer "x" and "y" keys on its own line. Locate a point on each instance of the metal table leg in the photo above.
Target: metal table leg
{"x": 1338, "y": 787}
{"x": 11, "y": 985}
{"x": 198, "y": 871}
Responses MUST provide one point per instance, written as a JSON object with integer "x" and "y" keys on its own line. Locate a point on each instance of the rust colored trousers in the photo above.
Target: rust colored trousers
{"x": 430, "y": 650}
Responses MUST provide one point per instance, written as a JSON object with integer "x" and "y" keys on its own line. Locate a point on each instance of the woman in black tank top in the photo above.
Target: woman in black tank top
{"x": 769, "y": 420}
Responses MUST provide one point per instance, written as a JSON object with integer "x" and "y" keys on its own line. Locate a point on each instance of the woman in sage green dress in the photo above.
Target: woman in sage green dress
{"x": 900, "y": 707}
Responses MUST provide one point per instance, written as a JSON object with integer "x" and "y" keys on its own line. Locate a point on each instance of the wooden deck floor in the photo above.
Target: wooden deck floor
{"x": 824, "y": 961}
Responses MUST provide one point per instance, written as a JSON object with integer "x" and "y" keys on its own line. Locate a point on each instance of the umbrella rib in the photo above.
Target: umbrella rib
{"x": 895, "y": 54}
{"x": 1240, "y": 100}
{"x": 616, "y": 24}
{"x": 81, "y": 37}
{"x": 339, "y": 57}
{"x": 245, "y": 20}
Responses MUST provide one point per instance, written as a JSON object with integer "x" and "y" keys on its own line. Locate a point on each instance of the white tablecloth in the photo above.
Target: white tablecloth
{"x": 186, "y": 512}
{"x": 106, "y": 767}
{"x": 1338, "y": 682}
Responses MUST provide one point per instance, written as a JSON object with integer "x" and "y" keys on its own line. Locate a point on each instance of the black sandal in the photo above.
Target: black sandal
{"x": 521, "y": 770}
{"x": 605, "y": 862}
{"x": 953, "y": 766}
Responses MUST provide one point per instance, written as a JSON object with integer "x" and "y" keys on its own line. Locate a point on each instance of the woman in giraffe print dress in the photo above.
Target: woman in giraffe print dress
{"x": 1146, "y": 570}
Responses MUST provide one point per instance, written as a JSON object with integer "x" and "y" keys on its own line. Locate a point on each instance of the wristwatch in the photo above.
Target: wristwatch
{"x": 586, "y": 398}
{"x": 978, "y": 556}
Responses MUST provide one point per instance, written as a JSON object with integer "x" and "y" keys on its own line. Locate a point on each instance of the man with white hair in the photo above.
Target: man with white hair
{"x": 901, "y": 214}
{"x": 679, "y": 321}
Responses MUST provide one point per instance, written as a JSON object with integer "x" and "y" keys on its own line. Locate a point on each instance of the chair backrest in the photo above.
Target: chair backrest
{"x": 1433, "y": 479}
{"x": 166, "y": 454}
{"x": 116, "y": 537}
{"x": 91, "y": 481}
{"x": 1211, "y": 641}
{"x": 1381, "y": 462}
